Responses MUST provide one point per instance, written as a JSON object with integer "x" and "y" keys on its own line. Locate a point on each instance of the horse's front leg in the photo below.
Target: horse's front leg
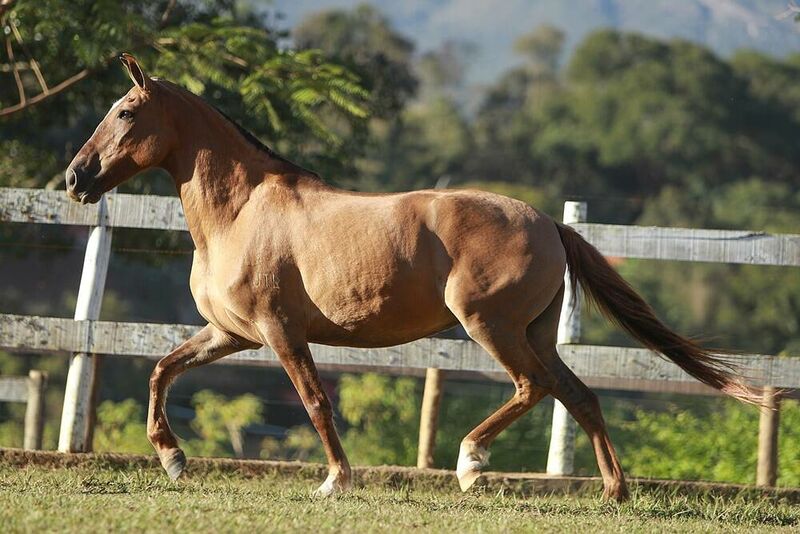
{"x": 207, "y": 345}
{"x": 296, "y": 359}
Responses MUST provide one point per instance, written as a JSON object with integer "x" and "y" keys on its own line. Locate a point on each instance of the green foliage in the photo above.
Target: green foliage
{"x": 365, "y": 41}
{"x": 542, "y": 49}
{"x": 383, "y": 414}
{"x": 702, "y": 446}
{"x": 302, "y": 102}
{"x": 220, "y": 421}
{"x": 301, "y": 443}
{"x": 121, "y": 428}
{"x": 287, "y": 89}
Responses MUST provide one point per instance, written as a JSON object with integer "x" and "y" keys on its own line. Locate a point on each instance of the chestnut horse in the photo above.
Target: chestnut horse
{"x": 283, "y": 259}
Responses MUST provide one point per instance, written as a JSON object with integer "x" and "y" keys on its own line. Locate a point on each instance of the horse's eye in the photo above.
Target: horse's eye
{"x": 125, "y": 114}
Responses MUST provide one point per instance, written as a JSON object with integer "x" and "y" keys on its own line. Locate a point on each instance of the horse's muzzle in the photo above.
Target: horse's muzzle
{"x": 79, "y": 185}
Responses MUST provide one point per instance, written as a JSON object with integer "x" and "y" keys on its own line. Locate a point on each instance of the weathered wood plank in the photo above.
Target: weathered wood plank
{"x": 685, "y": 244}
{"x": 44, "y": 207}
{"x": 14, "y": 389}
{"x": 688, "y": 244}
{"x": 124, "y": 211}
{"x": 46, "y": 334}
{"x": 146, "y": 211}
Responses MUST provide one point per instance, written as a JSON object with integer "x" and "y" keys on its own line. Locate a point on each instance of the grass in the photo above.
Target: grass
{"x": 37, "y": 499}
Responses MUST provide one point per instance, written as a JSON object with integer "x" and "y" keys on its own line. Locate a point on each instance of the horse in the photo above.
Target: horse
{"x": 282, "y": 259}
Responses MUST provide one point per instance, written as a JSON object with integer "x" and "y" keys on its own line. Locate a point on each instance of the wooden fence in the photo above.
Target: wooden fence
{"x": 30, "y": 390}
{"x": 600, "y": 366}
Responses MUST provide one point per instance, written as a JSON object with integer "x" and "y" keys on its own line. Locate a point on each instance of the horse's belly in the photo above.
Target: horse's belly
{"x": 384, "y": 328}
{"x": 372, "y": 309}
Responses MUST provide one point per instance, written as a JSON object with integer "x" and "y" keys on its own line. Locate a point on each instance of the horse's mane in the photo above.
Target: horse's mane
{"x": 247, "y": 134}
{"x": 250, "y": 136}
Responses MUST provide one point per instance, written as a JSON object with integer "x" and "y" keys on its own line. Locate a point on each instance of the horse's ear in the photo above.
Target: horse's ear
{"x": 135, "y": 71}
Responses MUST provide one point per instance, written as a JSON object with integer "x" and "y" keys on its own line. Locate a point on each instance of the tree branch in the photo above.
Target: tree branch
{"x": 167, "y": 12}
{"x": 17, "y": 77}
{"x": 72, "y": 80}
{"x": 33, "y": 63}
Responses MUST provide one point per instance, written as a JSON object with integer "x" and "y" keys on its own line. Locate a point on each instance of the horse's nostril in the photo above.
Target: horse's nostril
{"x": 72, "y": 179}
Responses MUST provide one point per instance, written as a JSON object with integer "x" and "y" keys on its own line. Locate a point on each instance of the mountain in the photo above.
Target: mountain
{"x": 723, "y": 25}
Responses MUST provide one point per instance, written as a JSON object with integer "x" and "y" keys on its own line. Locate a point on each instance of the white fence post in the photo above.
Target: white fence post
{"x": 561, "y": 455}
{"x": 77, "y": 416}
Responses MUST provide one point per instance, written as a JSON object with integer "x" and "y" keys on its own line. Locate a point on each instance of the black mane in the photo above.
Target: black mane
{"x": 247, "y": 134}
{"x": 256, "y": 142}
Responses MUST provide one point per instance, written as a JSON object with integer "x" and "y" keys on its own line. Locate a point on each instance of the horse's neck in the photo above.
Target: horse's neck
{"x": 215, "y": 170}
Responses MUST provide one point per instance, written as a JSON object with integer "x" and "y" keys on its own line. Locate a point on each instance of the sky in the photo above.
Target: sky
{"x": 493, "y": 25}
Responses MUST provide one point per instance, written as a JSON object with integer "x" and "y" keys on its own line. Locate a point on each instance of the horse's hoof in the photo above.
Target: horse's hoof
{"x": 467, "y": 478}
{"x": 174, "y": 463}
{"x": 471, "y": 458}
{"x": 335, "y": 484}
{"x": 616, "y": 492}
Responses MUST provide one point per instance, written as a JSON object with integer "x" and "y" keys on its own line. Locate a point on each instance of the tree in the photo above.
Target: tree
{"x": 364, "y": 39}
{"x": 298, "y": 100}
{"x": 542, "y": 50}
{"x": 220, "y": 422}
{"x": 441, "y": 71}
{"x": 121, "y": 428}
{"x": 383, "y": 414}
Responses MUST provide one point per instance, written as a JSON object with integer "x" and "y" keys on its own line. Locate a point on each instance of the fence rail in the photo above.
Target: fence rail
{"x": 688, "y": 244}
{"x": 646, "y": 242}
{"x": 151, "y": 340}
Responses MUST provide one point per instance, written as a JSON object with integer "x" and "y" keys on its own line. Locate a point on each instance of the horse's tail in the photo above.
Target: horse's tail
{"x": 618, "y": 301}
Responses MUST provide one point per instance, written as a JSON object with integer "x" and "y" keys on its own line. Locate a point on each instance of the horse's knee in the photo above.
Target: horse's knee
{"x": 157, "y": 375}
{"x": 528, "y": 393}
{"x": 319, "y": 410}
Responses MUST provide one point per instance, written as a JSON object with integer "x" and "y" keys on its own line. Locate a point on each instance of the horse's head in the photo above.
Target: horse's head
{"x": 133, "y": 136}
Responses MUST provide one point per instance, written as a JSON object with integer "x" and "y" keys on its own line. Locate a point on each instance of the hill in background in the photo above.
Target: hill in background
{"x": 722, "y": 25}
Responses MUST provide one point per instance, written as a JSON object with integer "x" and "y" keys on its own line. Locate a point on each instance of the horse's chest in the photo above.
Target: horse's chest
{"x": 227, "y": 290}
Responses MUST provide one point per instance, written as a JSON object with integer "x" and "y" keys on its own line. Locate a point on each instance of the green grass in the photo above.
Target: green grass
{"x": 140, "y": 500}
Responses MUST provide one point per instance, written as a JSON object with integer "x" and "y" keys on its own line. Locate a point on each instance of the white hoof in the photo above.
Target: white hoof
{"x": 471, "y": 459}
{"x": 335, "y": 483}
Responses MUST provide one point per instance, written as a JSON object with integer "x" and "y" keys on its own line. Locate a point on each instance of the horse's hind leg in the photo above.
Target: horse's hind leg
{"x": 584, "y": 406}
{"x": 578, "y": 399}
{"x": 510, "y": 347}
{"x": 207, "y": 345}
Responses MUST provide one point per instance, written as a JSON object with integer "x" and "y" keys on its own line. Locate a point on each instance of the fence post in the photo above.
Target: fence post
{"x": 561, "y": 454}
{"x": 767, "y": 471}
{"x": 431, "y": 396}
{"x": 429, "y": 417}
{"x": 76, "y": 417}
{"x": 34, "y": 411}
